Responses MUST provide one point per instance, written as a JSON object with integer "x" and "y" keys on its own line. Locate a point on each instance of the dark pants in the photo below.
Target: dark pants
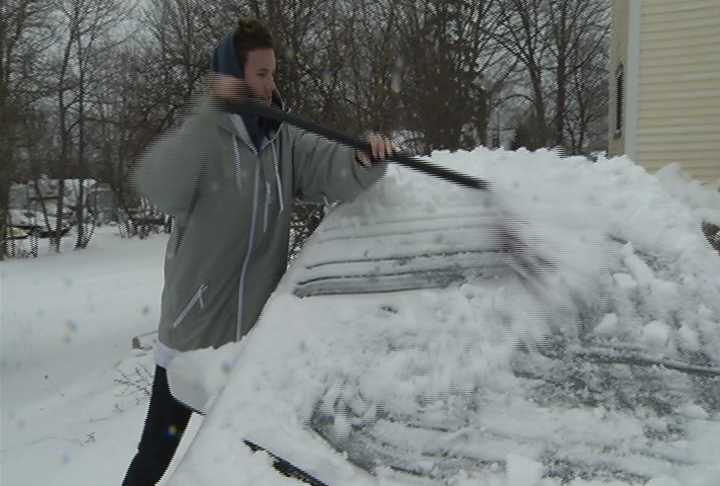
{"x": 166, "y": 421}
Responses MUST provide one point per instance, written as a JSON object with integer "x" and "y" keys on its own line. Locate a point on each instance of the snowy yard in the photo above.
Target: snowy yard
{"x": 629, "y": 260}
{"x": 67, "y": 323}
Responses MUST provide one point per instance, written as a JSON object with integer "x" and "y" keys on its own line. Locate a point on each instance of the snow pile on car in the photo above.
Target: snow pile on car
{"x": 606, "y": 369}
{"x": 620, "y": 240}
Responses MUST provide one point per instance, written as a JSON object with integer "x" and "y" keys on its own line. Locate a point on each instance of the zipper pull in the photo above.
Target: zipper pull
{"x": 203, "y": 288}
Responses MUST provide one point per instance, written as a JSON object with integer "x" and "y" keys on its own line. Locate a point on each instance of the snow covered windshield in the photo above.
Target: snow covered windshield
{"x": 403, "y": 348}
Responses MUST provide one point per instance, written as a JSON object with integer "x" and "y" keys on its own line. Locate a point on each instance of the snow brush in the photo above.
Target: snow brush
{"x": 510, "y": 243}
{"x": 528, "y": 266}
{"x": 272, "y": 113}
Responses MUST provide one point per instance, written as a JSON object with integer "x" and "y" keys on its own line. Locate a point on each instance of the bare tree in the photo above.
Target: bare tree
{"x": 523, "y": 34}
{"x": 87, "y": 25}
{"x": 36, "y": 137}
{"x": 126, "y": 118}
{"x": 587, "y": 113}
{"x": 179, "y": 41}
{"x": 579, "y": 31}
{"x": 452, "y": 62}
{"x": 555, "y": 42}
{"x": 24, "y": 34}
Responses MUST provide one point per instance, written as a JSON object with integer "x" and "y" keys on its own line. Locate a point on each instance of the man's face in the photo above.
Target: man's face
{"x": 260, "y": 73}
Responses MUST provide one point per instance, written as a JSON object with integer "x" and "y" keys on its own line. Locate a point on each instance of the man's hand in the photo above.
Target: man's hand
{"x": 228, "y": 88}
{"x": 381, "y": 147}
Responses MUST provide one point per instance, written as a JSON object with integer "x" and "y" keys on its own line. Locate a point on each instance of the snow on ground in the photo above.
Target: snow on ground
{"x": 72, "y": 397}
{"x": 628, "y": 262}
{"x": 72, "y": 413}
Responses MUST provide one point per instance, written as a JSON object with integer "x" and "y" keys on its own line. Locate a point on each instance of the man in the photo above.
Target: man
{"x": 229, "y": 180}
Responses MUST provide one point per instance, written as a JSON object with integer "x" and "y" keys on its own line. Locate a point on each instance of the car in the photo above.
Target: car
{"x": 406, "y": 346}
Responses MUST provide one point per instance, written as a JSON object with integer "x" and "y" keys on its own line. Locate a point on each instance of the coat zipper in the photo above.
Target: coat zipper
{"x": 267, "y": 206}
{"x": 257, "y": 152}
{"x": 241, "y": 287}
{"x": 198, "y": 297}
{"x": 236, "y": 151}
{"x": 280, "y": 191}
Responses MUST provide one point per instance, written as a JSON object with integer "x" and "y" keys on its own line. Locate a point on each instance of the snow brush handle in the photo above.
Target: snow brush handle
{"x": 255, "y": 108}
{"x": 286, "y": 468}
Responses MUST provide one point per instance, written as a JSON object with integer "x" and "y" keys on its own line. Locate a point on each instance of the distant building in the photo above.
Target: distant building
{"x": 19, "y": 196}
{"x": 99, "y": 198}
{"x": 665, "y": 84}
{"x": 103, "y": 202}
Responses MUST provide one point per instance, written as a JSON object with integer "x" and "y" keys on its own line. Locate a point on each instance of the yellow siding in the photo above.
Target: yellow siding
{"x": 690, "y": 37}
{"x": 690, "y": 157}
{"x": 679, "y": 86}
{"x": 682, "y": 108}
{"x": 680, "y": 54}
{"x": 663, "y": 7}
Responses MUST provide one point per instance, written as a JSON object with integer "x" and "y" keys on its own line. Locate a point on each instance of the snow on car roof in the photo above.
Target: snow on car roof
{"x": 456, "y": 371}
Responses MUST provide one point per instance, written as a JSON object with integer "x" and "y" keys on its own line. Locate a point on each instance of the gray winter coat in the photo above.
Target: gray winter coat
{"x": 232, "y": 205}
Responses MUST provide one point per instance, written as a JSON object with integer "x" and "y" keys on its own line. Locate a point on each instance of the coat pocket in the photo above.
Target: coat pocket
{"x": 196, "y": 298}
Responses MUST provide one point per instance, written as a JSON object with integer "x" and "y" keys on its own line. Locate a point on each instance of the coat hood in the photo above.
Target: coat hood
{"x": 225, "y": 61}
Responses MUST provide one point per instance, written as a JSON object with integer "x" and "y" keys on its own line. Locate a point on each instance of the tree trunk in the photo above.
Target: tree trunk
{"x": 4, "y": 214}
{"x": 64, "y": 131}
{"x": 560, "y": 33}
{"x": 5, "y": 147}
{"x": 560, "y": 103}
{"x": 541, "y": 135}
{"x": 81, "y": 242}
{"x": 43, "y": 207}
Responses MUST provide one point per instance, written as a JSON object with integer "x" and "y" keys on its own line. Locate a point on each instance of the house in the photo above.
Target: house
{"x": 665, "y": 85}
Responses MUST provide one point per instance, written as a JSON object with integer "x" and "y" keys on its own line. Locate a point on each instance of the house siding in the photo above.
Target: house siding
{"x": 618, "y": 50}
{"x": 679, "y": 87}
